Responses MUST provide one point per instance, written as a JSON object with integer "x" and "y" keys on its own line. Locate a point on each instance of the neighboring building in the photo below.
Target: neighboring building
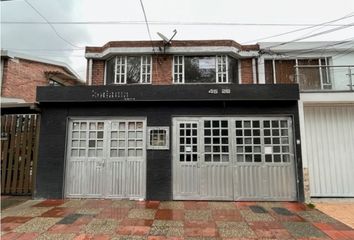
{"x": 21, "y": 74}
{"x": 325, "y": 73}
{"x": 185, "y": 121}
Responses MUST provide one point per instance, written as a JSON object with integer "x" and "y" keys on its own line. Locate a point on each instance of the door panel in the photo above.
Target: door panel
{"x": 241, "y": 158}
{"x": 106, "y": 159}
{"x": 187, "y": 160}
{"x": 216, "y": 178}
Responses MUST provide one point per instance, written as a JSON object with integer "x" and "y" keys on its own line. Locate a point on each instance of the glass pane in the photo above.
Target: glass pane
{"x": 114, "y": 153}
{"x": 121, "y": 153}
{"x": 255, "y": 124}
{"x": 122, "y": 135}
{"x": 121, "y": 126}
{"x": 225, "y": 158}
{"x": 275, "y": 124}
{"x": 131, "y": 126}
{"x": 92, "y": 143}
{"x": 286, "y": 158}
{"x": 257, "y": 149}
{"x": 199, "y": 69}
{"x": 139, "y": 152}
{"x": 133, "y": 69}
{"x": 74, "y": 152}
{"x": 99, "y": 143}
{"x": 114, "y": 126}
{"x": 131, "y": 143}
{"x": 82, "y": 134}
{"x": 83, "y": 126}
{"x": 285, "y": 149}
{"x": 75, "y": 143}
{"x": 100, "y": 125}
{"x": 75, "y": 134}
{"x": 91, "y": 152}
{"x": 257, "y": 158}
{"x": 114, "y": 134}
{"x": 277, "y": 158}
{"x": 131, "y": 135}
{"x": 139, "y": 134}
{"x": 131, "y": 153}
{"x": 82, "y": 143}
{"x": 121, "y": 143}
{"x": 139, "y": 125}
{"x": 82, "y": 152}
{"x": 248, "y": 158}
{"x": 114, "y": 143}
{"x": 100, "y": 134}
{"x": 99, "y": 152}
{"x": 75, "y": 126}
{"x": 284, "y": 124}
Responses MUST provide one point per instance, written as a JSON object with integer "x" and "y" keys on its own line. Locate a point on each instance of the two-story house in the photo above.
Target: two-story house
{"x": 202, "y": 120}
{"x": 189, "y": 120}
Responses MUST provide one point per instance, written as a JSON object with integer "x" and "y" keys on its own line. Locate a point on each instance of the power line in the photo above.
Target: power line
{"x": 324, "y": 24}
{"x": 169, "y": 23}
{"x": 51, "y": 26}
{"x": 311, "y": 35}
{"x": 147, "y": 25}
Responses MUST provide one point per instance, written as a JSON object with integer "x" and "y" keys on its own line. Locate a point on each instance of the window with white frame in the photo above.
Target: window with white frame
{"x": 158, "y": 138}
{"x": 205, "y": 69}
{"x": 128, "y": 70}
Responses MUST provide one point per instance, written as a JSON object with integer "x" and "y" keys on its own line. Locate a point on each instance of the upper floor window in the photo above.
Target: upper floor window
{"x": 204, "y": 69}
{"x": 311, "y": 73}
{"x": 128, "y": 70}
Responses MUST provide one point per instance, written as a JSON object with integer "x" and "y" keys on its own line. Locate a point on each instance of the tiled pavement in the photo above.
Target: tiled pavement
{"x": 153, "y": 220}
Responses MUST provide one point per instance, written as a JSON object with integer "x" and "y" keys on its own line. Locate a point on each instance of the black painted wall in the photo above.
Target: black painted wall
{"x": 51, "y": 162}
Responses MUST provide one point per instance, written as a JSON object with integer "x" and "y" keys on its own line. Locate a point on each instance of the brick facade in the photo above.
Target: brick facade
{"x": 98, "y": 72}
{"x": 246, "y": 71}
{"x": 162, "y": 69}
{"x": 162, "y": 63}
{"x": 21, "y": 77}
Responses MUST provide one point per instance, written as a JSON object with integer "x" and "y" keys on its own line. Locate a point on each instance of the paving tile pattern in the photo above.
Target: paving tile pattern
{"x": 171, "y": 220}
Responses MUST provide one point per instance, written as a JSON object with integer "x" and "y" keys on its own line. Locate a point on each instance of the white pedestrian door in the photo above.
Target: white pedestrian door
{"x": 234, "y": 158}
{"x": 106, "y": 159}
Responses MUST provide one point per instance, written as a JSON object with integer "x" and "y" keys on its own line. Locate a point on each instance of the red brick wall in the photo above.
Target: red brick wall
{"x": 246, "y": 71}
{"x": 97, "y": 72}
{"x": 162, "y": 70}
{"x": 21, "y": 77}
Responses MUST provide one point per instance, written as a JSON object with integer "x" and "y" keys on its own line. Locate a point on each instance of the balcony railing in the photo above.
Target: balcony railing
{"x": 325, "y": 77}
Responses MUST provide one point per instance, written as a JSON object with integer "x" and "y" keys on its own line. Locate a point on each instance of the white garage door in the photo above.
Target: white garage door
{"x": 106, "y": 159}
{"x": 236, "y": 158}
{"x": 329, "y": 132}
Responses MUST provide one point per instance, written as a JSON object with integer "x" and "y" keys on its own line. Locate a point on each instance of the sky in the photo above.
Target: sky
{"x": 23, "y": 29}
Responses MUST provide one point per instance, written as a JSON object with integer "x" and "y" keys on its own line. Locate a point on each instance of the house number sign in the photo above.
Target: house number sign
{"x": 217, "y": 91}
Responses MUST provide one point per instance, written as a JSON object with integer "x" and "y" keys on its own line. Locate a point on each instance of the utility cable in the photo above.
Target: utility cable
{"x": 51, "y": 26}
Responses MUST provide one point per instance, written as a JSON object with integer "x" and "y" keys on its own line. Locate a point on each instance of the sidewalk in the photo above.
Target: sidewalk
{"x": 175, "y": 220}
{"x": 342, "y": 211}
